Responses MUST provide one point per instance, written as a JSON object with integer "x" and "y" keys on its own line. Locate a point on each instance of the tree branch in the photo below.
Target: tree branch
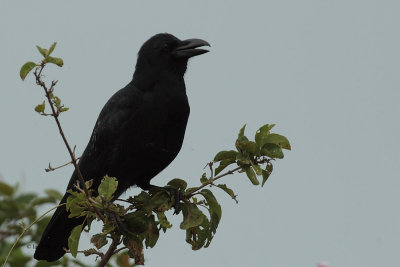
{"x": 109, "y": 252}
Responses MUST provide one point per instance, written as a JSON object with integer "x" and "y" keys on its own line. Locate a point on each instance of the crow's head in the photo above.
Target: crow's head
{"x": 164, "y": 52}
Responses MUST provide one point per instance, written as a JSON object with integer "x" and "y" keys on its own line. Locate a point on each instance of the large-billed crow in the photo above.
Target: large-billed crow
{"x": 138, "y": 133}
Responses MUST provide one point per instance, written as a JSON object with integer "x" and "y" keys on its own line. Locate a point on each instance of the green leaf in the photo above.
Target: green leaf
{"x": 99, "y": 240}
{"x": 212, "y": 202}
{"x": 251, "y": 175}
{"x": 242, "y": 159}
{"x": 162, "y": 219}
{"x": 40, "y": 108}
{"x": 204, "y": 179}
{"x": 74, "y": 199}
{"x": 64, "y": 109}
{"x": 52, "y": 48}
{"x": 256, "y": 168}
{"x": 241, "y": 143}
{"x": 108, "y": 186}
{"x": 55, "y": 60}
{"x": 241, "y": 132}
{"x": 279, "y": 140}
{"x": 26, "y": 68}
{"x": 56, "y": 101}
{"x": 228, "y": 191}
{"x": 192, "y": 216}
{"x": 245, "y": 145}
{"x": 5, "y": 189}
{"x": 73, "y": 240}
{"x": 43, "y": 51}
{"x": 178, "y": 184}
{"x": 77, "y": 211}
{"x": 266, "y": 173}
{"x": 197, "y": 236}
{"x": 262, "y": 133}
{"x": 89, "y": 183}
{"x": 272, "y": 151}
{"x": 215, "y": 215}
{"x": 223, "y": 164}
{"x": 230, "y": 154}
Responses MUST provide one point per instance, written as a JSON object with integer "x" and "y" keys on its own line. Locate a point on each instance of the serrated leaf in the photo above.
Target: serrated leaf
{"x": 5, "y": 189}
{"x": 230, "y": 154}
{"x": 41, "y": 107}
{"x": 279, "y": 140}
{"x": 223, "y": 164}
{"x": 178, "y": 184}
{"x": 266, "y": 173}
{"x": 192, "y": 216}
{"x": 251, "y": 175}
{"x": 52, "y": 48}
{"x": 261, "y": 133}
{"x": 228, "y": 191}
{"x": 43, "y": 51}
{"x": 108, "y": 186}
{"x": 26, "y": 68}
{"x": 272, "y": 151}
{"x": 73, "y": 240}
{"x": 55, "y": 60}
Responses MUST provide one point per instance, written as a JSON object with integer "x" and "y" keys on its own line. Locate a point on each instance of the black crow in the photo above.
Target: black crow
{"x": 138, "y": 133}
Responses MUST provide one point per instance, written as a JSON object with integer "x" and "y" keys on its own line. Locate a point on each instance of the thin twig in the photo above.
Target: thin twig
{"x": 56, "y": 113}
{"x": 118, "y": 250}
{"x": 213, "y": 179}
{"x": 49, "y": 169}
{"x": 94, "y": 252}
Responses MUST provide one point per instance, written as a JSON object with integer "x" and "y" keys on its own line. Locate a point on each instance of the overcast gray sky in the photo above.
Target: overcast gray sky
{"x": 326, "y": 72}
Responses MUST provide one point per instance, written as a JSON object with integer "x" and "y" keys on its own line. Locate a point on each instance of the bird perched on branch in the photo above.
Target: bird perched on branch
{"x": 138, "y": 133}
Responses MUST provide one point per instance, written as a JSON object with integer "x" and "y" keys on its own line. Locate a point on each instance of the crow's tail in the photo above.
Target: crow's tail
{"x": 55, "y": 236}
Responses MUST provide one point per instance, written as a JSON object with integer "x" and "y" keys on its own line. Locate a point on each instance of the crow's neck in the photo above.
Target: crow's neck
{"x": 145, "y": 79}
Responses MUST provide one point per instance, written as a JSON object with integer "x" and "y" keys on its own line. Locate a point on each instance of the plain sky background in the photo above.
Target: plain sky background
{"x": 326, "y": 72}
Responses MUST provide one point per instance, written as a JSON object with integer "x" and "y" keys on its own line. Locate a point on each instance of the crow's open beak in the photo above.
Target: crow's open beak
{"x": 188, "y": 49}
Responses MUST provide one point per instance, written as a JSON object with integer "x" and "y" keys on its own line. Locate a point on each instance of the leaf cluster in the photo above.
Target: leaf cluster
{"x": 138, "y": 225}
{"x": 17, "y": 211}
